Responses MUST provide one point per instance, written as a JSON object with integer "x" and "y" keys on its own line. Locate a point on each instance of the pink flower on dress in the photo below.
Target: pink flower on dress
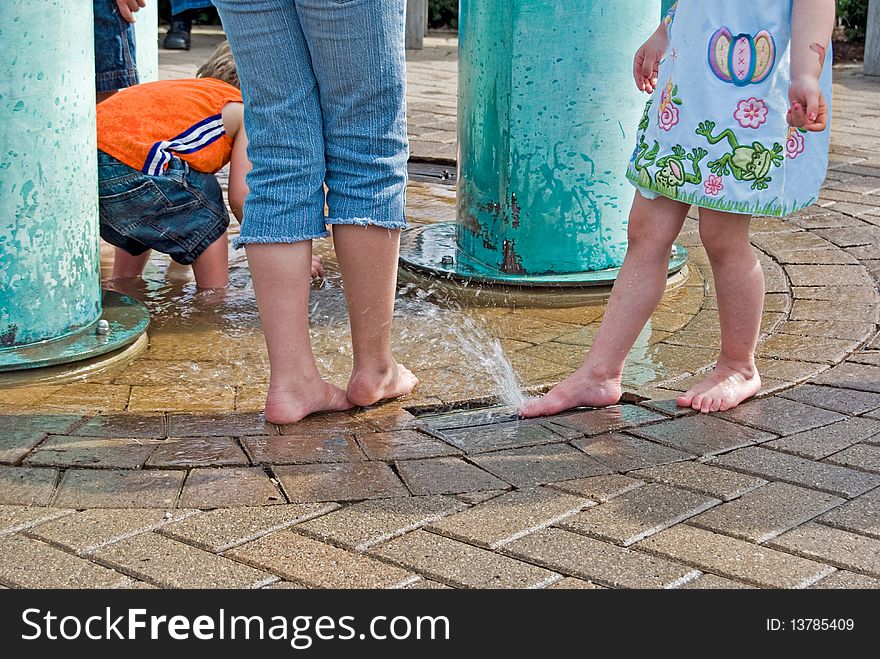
{"x": 713, "y": 185}
{"x": 794, "y": 146}
{"x": 667, "y": 112}
{"x": 668, "y": 117}
{"x": 751, "y": 113}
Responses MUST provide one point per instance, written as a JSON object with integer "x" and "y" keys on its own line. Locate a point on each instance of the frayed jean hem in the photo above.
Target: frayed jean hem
{"x": 243, "y": 241}
{"x": 368, "y": 222}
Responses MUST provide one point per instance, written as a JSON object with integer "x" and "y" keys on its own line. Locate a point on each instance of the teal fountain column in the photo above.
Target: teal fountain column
{"x": 50, "y": 291}
{"x": 547, "y": 118}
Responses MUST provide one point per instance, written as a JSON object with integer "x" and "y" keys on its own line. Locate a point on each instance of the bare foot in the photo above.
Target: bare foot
{"x": 284, "y": 406}
{"x": 723, "y": 389}
{"x": 365, "y": 389}
{"x": 580, "y": 389}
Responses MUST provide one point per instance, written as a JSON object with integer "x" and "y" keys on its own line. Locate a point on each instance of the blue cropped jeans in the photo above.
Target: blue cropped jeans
{"x": 325, "y": 104}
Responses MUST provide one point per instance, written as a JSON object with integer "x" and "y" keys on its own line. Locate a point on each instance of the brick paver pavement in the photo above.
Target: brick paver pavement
{"x": 784, "y": 492}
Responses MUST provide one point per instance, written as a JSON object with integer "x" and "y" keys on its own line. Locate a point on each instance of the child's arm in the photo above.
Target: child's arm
{"x": 239, "y": 165}
{"x": 128, "y": 7}
{"x": 647, "y": 59}
{"x": 812, "y": 22}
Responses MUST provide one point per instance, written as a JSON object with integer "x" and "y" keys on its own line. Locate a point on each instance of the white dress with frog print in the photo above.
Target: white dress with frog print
{"x": 714, "y": 133}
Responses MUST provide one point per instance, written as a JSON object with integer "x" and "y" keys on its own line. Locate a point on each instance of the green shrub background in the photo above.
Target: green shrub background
{"x": 443, "y": 13}
{"x": 854, "y": 16}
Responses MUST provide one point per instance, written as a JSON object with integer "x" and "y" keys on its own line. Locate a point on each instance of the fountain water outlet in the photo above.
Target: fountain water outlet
{"x": 548, "y": 114}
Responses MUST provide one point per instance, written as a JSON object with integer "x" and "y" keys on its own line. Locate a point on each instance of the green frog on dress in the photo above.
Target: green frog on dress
{"x": 746, "y": 163}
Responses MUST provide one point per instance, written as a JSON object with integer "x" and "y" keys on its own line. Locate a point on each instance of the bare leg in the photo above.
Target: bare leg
{"x": 368, "y": 259}
{"x": 653, "y": 227}
{"x": 126, "y": 266}
{"x": 739, "y": 286}
{"x": 211, "y": 269}
{"x": 281, "y": 281}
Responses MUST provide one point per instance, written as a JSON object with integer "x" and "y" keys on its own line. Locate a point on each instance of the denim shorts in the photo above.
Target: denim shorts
{"x": 115, "y": 62}
{"x": 179, "y": 213}
{"x": 324, "y": 86}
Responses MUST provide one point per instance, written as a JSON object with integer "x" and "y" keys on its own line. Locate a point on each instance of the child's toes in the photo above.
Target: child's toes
{"x": 716, "y": 404}
{"x": 686, "y": 399}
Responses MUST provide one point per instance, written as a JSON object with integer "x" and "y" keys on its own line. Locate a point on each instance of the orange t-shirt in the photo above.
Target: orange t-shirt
{"x": 145, "y": 125}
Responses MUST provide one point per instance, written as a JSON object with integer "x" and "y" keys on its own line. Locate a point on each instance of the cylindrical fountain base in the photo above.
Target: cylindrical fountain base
{"x": 122, "y": 322}
{"x": 430, "y": 257}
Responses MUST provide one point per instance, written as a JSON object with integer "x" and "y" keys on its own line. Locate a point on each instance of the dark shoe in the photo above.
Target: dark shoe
{"x": 178, "y": 36}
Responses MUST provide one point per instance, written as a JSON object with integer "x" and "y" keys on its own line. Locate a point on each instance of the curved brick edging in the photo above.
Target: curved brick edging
{"x": 811, "y": 321}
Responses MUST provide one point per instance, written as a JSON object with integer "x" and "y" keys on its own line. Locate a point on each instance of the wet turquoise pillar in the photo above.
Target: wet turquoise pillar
{"x": 49, "y": 252}
{"x": 50, "y": 289}
{"x": 547, "y": 119}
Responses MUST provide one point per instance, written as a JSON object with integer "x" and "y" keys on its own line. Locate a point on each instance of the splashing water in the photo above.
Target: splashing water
{"x": 485, "y": 350}
{"x": 431, "y": 331}
{"x": 458, "y": 332}
{"x": 428, "y": 329}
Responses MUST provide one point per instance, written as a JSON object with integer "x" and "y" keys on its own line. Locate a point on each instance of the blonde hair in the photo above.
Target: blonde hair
{"x": 221, "y": 66}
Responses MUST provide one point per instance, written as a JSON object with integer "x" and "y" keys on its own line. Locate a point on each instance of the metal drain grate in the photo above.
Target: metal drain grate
{"x": 433, "y": 172}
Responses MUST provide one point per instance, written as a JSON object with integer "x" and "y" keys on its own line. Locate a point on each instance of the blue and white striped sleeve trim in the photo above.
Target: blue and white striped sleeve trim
{"x": 191, "y": 140}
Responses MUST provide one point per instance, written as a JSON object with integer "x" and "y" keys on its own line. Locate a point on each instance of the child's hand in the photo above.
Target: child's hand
{"x": 128, "y": 7}
{"x": 647, "y": 60}
{"x": 808, "y": 109}
{"x": 317, "y": 267}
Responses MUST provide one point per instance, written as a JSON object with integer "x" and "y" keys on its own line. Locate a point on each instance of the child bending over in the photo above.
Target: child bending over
{"x": 159, "y": 146}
